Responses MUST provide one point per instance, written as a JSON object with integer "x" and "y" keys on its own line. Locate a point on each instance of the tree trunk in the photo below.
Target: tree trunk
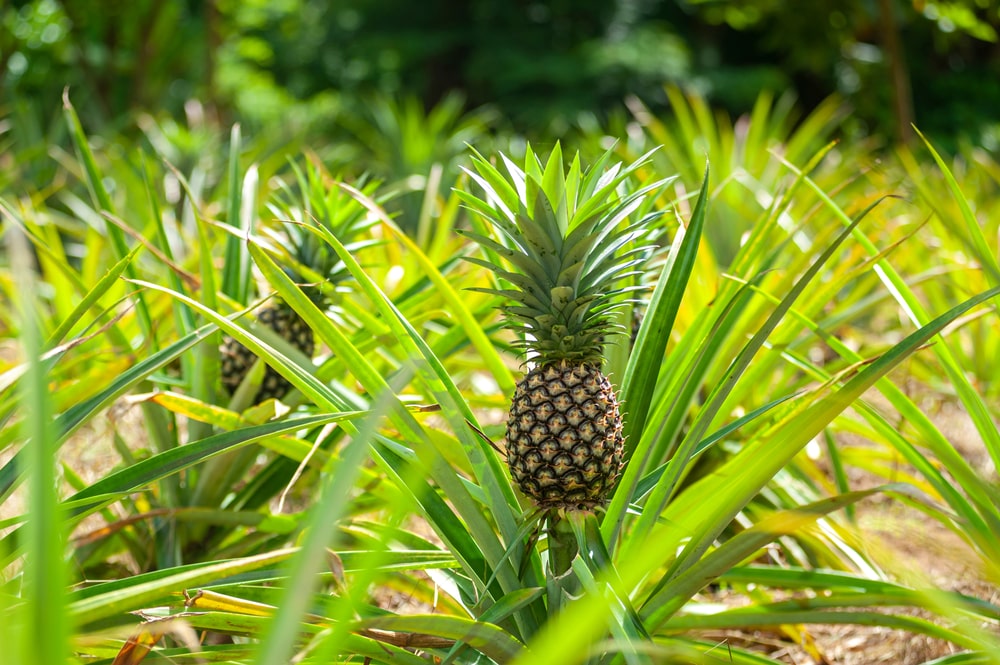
{"x": 902, "y": 95}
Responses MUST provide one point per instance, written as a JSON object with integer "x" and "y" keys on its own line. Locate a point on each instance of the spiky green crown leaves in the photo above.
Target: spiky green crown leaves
{"x": 313, "y": 199}
{"x": 569, "y": 236}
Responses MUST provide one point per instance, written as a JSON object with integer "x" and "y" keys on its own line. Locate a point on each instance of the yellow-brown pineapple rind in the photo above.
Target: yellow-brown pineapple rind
{"x": 238, "y": 359}
{"x": 564, "y": 436}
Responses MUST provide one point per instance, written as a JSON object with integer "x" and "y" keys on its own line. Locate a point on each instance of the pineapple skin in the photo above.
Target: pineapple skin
{"x": 564, "y": 436}
{"x": 238, "y": 359}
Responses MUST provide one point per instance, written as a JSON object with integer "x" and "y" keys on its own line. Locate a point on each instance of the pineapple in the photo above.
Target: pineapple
{"x": 238, "y": 359}
{"x": 571, "y": 241}
{"x": 309, "y": 261}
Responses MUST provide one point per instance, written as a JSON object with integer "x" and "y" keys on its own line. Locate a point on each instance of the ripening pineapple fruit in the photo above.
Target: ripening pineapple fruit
{"x": 308, "y": 260}
{"x": 570, "y": 239}
{"x": 238, "y": 359}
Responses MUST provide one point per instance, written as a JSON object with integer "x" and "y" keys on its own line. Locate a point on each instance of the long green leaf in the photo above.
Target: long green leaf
{"x": 703, "y": 510}
{"x": 280, "y": 638}
{"x": 486, "y": 638}
{"x": 236, "y": 268}
{"x": 665, "y": 489}
{"x": 67, "y": 422}
{"x": 458, "y": 307}
{"x": 454, "y": 407}
{"x": 137, "y": 476}
{"x": 300, "y": 377}
{"x": 374, "y": 383}
{"x": 92, "y": 297}
{"x": 672, "y": 594}
{"x": 975, "y": 501}
{"x": 172, "y": 461}
{"x": 915, "y": 310}
{"x": 759, "y": 616}
{"x": 101, "y": 603}
{"x": 102, "y": 203}
{"x": 985, "y": 255}
{"x": 640, "y": 377}
{"x": 45, "y": 573}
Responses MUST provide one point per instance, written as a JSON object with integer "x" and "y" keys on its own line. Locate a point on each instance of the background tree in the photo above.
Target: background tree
{"x": 538, "y": 63}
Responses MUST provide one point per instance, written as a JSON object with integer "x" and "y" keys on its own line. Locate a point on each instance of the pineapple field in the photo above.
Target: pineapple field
{"x": 686, "y": 389}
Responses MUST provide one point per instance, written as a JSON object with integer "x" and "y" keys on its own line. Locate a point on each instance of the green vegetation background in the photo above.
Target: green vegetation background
{"x": 826, "y": 296}
{"x": 543, "y": 66}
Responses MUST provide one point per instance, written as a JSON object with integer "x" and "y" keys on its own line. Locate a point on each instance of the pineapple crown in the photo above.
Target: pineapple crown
{"x": 314, "y": 200}
{"x": 571, "y": 239}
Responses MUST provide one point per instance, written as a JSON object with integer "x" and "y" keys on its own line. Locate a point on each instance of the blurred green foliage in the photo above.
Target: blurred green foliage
{"x": 541, "y": 64}
{"x": 116, "y": 57}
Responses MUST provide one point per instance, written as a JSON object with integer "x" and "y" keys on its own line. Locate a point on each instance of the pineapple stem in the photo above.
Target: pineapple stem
{"x": 561, "y": 583}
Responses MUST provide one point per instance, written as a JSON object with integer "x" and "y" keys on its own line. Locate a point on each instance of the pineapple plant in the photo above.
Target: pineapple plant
{"x": 571, "y": 241}
{"x": 308, "y": 261}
